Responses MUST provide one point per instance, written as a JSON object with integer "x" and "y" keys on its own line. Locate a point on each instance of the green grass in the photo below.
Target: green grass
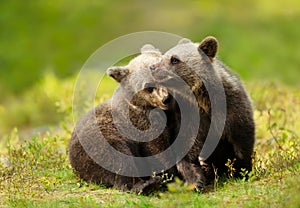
{"x": 44, "y": 105}
{"x": 44, "y": 44}
{"x": 36, "y": 172}
{"x": 259, "y": 38}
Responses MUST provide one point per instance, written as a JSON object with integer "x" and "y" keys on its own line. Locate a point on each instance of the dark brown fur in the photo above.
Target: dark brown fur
{"x": 133, "y": 79}
{"x": 187, "y": 60}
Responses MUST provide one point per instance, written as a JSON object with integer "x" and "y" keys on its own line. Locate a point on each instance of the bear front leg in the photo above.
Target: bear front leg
{"x": 243, "y": 162}
{"x": 148, "y": 186}
{"x": 243, "y": 151}
{"x": 191, "y": 173}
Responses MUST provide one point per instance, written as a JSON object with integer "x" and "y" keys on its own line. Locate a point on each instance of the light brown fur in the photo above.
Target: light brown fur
{"x": 137, "y": 91}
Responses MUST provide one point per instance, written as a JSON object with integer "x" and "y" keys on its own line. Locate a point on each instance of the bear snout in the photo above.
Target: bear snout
{"x": 166, "y": 100}
{"x": 152, "y": 67}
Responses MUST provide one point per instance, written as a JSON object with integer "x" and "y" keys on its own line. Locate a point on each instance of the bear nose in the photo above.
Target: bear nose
{"x": 152, "y": 67}
{"x": 166, "y": 100}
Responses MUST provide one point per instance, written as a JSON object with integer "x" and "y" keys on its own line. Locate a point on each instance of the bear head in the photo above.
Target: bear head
{"x": 186, "y": 56}
{"x": 136, "y": 80}
{"x": 194, "y": 63}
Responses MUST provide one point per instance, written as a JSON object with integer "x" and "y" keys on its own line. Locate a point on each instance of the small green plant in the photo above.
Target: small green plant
{"x": 230, "y": 168}
{"x": 180, "y": 186}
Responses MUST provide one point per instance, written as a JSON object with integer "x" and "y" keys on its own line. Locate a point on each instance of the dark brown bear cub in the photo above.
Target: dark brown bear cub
{"x": 109, "y": 145}
{"x": 213, "y": 85}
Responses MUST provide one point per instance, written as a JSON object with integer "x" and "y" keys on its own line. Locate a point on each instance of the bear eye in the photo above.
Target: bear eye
{"x": 149, "y": 87}
{"x": 174, "y": 60}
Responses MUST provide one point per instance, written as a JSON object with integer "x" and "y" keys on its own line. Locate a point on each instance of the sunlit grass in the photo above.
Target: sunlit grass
{"x": 36, "y": 172}
{"x": 42, "y": 105}
{"x": 44, "y": 45}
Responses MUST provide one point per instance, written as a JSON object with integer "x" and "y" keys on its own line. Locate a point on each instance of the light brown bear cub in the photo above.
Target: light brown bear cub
{"x": 98, "y": 134}
{"x": 210, "y": 80}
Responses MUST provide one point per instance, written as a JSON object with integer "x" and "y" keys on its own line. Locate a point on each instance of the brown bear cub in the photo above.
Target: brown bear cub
{"x": 209, "y": 79}
{"x": 108, "y": 139}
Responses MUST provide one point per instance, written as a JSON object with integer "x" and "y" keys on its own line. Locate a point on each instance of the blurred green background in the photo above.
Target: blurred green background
{"x": 44, "y": 43}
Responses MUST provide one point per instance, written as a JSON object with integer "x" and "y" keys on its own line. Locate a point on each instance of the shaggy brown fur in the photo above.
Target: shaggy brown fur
{"x": 140, "y": 94}
{"x": 197, "y": 66}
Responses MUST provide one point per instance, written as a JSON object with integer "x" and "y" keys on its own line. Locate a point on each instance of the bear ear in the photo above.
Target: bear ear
{"x": 209, "y": 46}
{"x": 148, "y": 48}
{"x": 117, "y": 72}
{"x": 184, "y": 41}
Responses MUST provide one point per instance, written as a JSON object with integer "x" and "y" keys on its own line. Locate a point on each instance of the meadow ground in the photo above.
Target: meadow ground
{"x": 45, "y": 43}
{"x": 35, "y": 170}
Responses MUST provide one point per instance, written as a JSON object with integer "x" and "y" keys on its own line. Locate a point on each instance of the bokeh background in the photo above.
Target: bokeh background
{"x": 45, "y": 43}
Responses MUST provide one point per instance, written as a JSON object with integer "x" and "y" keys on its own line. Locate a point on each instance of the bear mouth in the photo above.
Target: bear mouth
{"x": 161, "y": 105}
{"x": 164, "y": 107}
